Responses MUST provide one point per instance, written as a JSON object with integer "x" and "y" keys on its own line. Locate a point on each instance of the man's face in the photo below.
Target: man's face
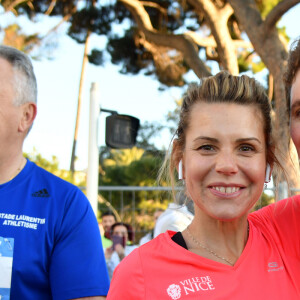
{"x": 107, "y": 222}
{"x": 10, "y": 115}
{"x": 295, "y": 112}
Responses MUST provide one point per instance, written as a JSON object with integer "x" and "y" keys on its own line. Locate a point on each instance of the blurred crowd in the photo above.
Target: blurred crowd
{"x": 118, "y": 238}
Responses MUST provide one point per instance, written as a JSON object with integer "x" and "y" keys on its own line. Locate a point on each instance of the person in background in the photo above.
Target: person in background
{"x": 108, "y": 219}
{"x": 176, "y": 217}
{"x": 149, "y": 236}
{"x": 122, "y": 236}
{"x": 292, "y": 85}
{"x": 224, "y": 152}
{"x": 50, "y": 246}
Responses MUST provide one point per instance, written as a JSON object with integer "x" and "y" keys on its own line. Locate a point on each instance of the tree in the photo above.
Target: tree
{"x": 89, "y": 4}
{"x": 52, "y": 166}
{"x": 132, "y": 167}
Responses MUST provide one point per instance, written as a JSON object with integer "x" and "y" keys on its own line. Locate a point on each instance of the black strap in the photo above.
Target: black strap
{"x": 178, "y": 239}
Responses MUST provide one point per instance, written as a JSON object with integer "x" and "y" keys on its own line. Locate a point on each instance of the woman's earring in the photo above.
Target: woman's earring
{"x": 268, "y": 175}
{"x": 180, "y": 176}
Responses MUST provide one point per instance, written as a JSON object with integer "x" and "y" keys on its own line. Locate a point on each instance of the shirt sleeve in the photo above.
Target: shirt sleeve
{"x": 128, "y": 280}
{"x": 77, "y": 268}
{"x": 282, "y": 221}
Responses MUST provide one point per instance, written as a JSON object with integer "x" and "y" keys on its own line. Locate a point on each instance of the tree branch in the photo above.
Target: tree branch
{"x": 53, "y": 29}
{"x": 277, "y": 12}
{"x": 247, "y": 12}
{"x": 211, "y": 42}
{"x": 50, "y": 8}
{"x": 154, "y": 5}
{"x": 182, "y": 42}
{"x": 15, "y": 3}
{"x": 217, "y": 18}
{"x": 202, "y": 41}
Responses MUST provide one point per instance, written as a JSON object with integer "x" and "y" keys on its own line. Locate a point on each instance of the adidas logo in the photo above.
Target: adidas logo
{"x": 42, "y": 193}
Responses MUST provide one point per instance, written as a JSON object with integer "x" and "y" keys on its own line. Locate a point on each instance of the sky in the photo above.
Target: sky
{"x": 58, "y": 83}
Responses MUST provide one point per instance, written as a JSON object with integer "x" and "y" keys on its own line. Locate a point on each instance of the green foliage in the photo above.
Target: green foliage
{"x": 257, "y": 67}
{"x": 243, "y": 64}
{"x": 96, "y": 57}
{"x": 91, "y": 18}
{"x": 32, "y": 8}
{"x": 250, "y": 61}
{"x": 147, "y": 132}
{"x": 265, "y": 6}
{"x": 140, "y": 172}
{"x": 52, "y": 166}
{"x": 125, "y": 52}
{"x": 129, "y": 169}
{"x": 173, "y": 117}
{"x": 126, "y": 44}
{"x": 144, "y": 219}
{"x": 15, "y": 37}
{"x": 283, "y": 34}
{"x": 123, "y": 157}
{"x": 264, "y": 200}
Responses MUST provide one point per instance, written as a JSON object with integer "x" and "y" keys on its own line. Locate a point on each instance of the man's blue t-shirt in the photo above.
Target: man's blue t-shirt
{"x": 50, "y": 245}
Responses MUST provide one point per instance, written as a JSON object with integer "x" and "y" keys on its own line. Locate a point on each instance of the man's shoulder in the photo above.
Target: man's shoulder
{"x": 46, "y": 177}
{"x": 47, "y": 185}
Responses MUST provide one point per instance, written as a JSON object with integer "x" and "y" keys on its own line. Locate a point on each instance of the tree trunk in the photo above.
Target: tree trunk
{"x": 83, "y": 68}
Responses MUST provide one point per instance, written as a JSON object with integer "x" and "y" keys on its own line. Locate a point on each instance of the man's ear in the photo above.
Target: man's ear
{"x": 28, "y": 114}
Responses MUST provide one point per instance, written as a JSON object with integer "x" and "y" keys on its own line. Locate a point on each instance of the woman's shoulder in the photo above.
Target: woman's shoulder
{"x": 280, "y": 223}
{"x": 281, "y": 214}
{"x": 127, "y": 279}
{"x": 281, "y": 207}
{"x": 138, "y": 252}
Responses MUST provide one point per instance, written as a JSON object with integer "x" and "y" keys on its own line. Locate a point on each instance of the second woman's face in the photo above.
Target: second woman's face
{"x": 295, "y": 112}
{"x": 224, "y": 159}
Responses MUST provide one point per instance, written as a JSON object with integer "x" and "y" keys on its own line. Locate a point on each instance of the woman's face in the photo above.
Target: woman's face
{"x": 295, "y": 112}
{"x": 121, "y": 231}
{"x": 224, "y": 160}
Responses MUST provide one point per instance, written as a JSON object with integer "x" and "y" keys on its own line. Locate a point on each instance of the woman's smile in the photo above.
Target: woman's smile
{"x": 226, "y": 191}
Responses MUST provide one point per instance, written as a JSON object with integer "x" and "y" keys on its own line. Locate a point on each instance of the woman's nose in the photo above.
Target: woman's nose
{"x": 226, "y": 164}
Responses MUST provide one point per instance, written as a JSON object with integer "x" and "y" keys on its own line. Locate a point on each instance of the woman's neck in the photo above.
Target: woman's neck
{"x": 226, "y": 239}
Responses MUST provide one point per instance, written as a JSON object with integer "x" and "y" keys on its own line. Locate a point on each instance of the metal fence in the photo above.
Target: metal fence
{"x": 122, "y": 200}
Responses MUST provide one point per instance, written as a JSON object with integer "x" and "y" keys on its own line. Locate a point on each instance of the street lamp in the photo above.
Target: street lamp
{"x": 121, "y": 132}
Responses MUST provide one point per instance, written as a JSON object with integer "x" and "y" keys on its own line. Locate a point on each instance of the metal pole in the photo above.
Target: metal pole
{"x": 93, "y": 152}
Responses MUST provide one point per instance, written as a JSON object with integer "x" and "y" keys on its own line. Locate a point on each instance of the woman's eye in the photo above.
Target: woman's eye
{"x": 296, "y": 113}
{"x": 246, "y": 148}
{"x": 206, "y": 147}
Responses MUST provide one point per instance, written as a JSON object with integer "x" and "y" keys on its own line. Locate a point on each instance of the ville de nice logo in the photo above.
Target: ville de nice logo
{"x": 188, "y": 286}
